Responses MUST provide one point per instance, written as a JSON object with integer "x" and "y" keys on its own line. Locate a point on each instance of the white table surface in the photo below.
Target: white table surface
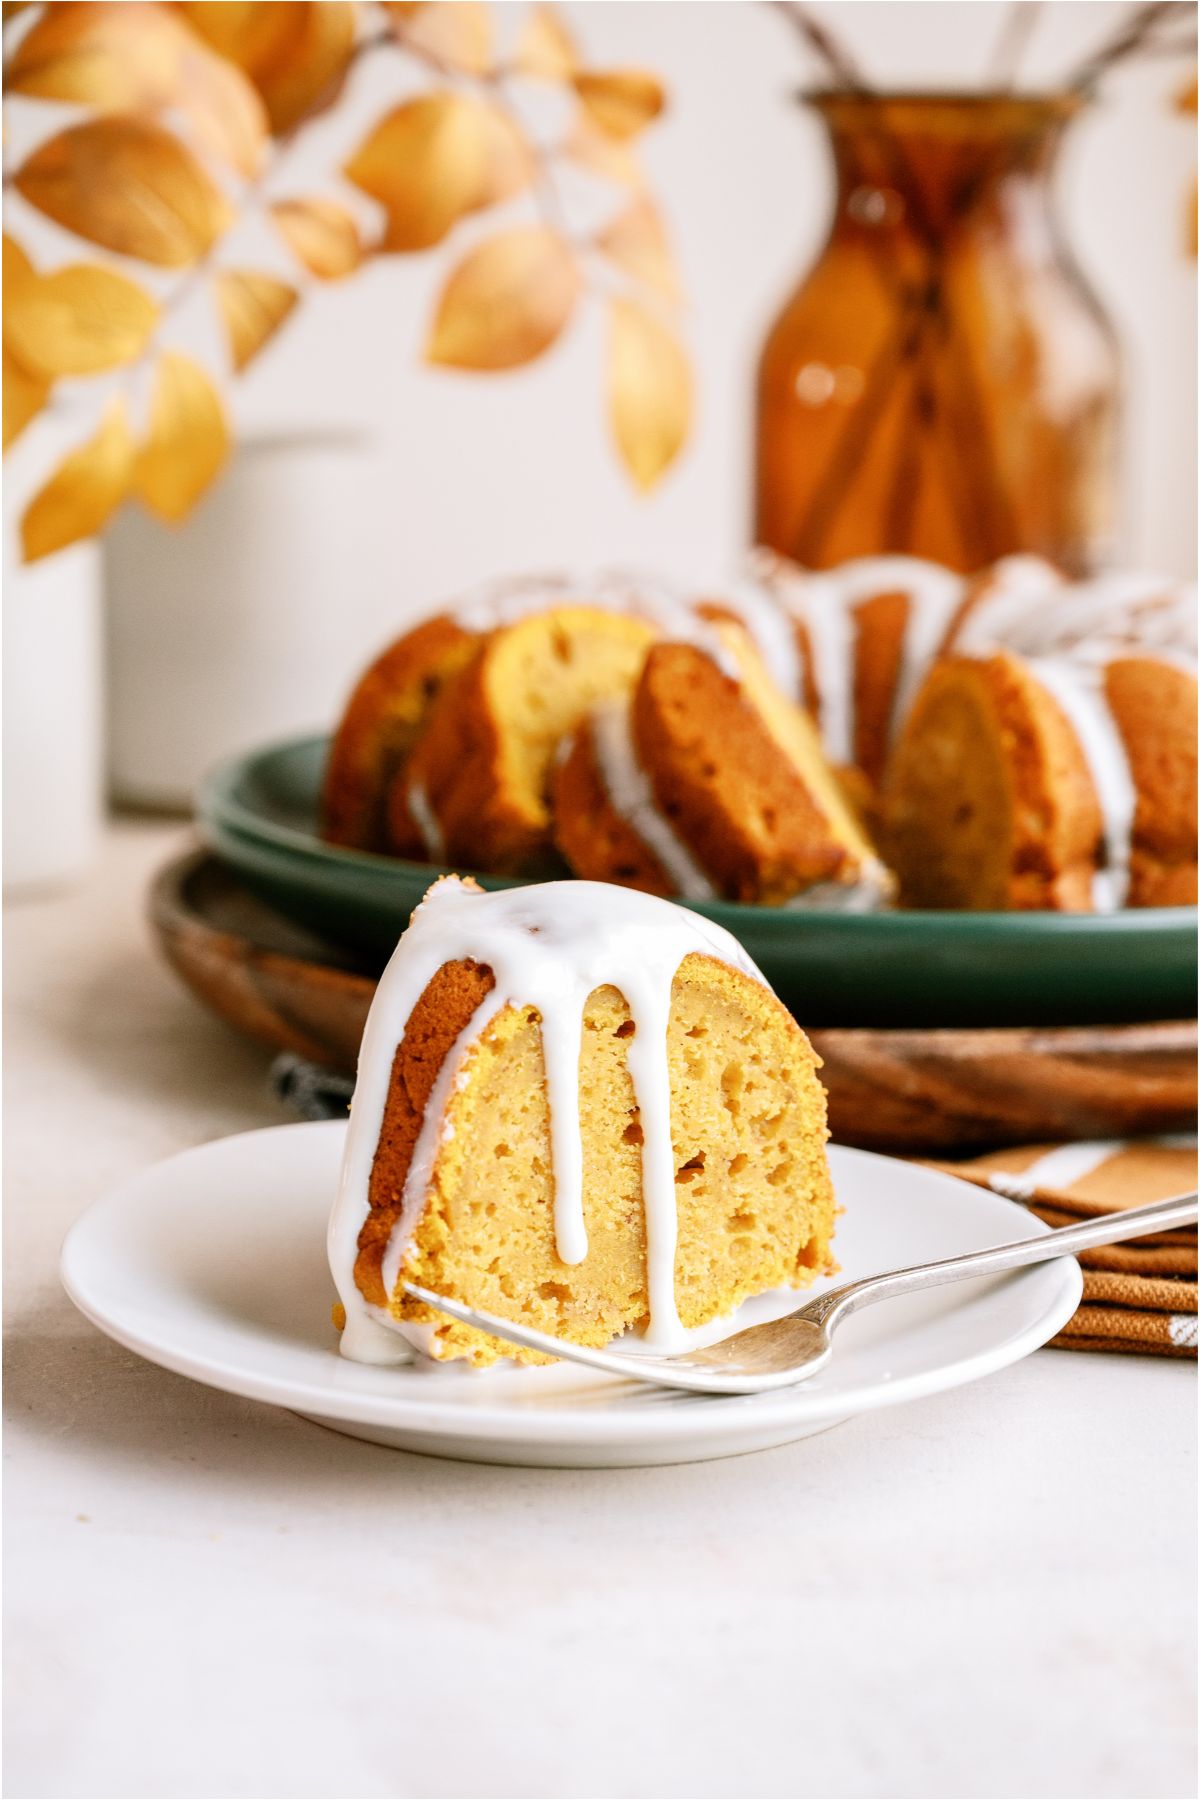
{"x": 986, "y": 1593}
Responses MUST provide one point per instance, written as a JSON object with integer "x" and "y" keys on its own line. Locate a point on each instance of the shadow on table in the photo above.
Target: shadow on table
{"x": 88, "y": 1397}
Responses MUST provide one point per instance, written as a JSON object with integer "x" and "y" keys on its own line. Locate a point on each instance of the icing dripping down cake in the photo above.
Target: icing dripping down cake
{"x": 580, "y": 1107}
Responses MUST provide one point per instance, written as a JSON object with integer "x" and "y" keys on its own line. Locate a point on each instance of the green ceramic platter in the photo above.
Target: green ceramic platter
{"x": 903, "y": 968}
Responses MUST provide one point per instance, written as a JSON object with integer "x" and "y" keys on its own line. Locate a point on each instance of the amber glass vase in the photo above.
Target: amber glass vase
{"x": 942, "y": 383}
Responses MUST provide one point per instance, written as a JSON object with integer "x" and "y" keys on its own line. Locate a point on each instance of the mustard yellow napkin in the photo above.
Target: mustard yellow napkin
{"x": 1139, "y": 1296}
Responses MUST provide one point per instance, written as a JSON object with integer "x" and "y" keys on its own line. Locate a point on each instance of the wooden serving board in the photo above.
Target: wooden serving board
{"x": 898, "y": 1090}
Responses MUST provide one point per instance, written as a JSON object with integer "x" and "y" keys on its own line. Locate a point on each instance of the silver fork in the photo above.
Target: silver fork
{"x": 791, "y": 1349}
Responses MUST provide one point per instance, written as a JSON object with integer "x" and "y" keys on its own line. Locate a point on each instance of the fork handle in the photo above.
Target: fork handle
{"x": 1067, "y": 1240}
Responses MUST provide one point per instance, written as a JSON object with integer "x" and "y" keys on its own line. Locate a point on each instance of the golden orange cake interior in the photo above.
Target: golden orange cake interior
{"x": 581, "y": 1109}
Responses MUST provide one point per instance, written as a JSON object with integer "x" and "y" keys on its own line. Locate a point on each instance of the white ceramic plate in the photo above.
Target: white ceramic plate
{"x": 213, "y": 1265}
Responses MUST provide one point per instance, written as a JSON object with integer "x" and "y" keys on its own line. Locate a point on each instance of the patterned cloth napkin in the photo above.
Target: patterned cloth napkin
{"x": 1139, "y": 1296}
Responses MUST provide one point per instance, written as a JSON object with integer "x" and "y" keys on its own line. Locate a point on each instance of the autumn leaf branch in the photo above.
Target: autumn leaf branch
{"x": 246, "y": 81}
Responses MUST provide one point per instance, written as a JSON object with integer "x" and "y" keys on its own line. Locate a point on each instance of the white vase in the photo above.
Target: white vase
{"x": 248, "y": 622}
{"x": 53, "y": 717}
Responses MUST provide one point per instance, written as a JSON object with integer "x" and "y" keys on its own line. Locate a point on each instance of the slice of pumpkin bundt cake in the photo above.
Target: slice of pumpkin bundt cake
{"x": 580, "y": 1108}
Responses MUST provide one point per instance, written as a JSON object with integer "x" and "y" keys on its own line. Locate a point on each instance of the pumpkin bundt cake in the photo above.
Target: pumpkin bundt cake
{"x": 709, "y": 782}
{"x": 696, "y": 760}
{"x": 476, "y": 788}
{"x": 1046, "y": 784}
{"x": 581, "y": 1109}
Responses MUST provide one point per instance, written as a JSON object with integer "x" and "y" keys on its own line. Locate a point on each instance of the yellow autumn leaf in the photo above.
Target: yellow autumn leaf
{"x": 435, "y": 159}
{"x": 506, "y": 301}
{"x": 84, "y": 491}
{"x": 188, "y": 440}
{"x": 253, "y": 307}
{"x": 593, "y": 150}
{"x": 457, "y": 33}
{"x": 78, "y": 321}
{"x": 321, "y": 234}
{"x": 24, "y": 397}
{"x": 295, "y": 53}
{"x": 623, "y": 101}
{"x": 649, "y": 391}
{"x": 637, "y": 242}
{"x": 137, "y": 59}
{"x": 128, "y": 185}
{"x": 422, "y": 163}
{"x": 545, "y": 50}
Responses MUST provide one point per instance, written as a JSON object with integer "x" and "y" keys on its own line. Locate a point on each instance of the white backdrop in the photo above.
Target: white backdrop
{"x": 479, "y": 474}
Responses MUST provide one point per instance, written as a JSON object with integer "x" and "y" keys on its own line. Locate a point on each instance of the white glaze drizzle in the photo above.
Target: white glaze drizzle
{"x": 1079, "y": 689}
{"x": 757, "y": 601}
{"x": 632, "y": 797}
{"x": 426, "y": 821}
{"x": 549, "y": 947}
{"x": 1035, "y": 613}
{"x": 1001, "y": 599}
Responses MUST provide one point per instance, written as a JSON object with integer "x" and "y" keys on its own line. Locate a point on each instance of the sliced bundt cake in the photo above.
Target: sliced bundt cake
{"x": 709, "y": 783}
{"x": 579, "y": 1108}
{"x": 1046, "y": 783}
{"x": 475, "y": 789}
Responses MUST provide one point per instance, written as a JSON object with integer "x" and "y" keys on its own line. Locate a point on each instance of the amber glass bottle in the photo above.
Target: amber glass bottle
{"x": 943, "y": 382}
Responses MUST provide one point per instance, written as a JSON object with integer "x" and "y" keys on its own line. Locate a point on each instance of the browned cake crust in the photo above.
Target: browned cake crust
{"x": 720, "y": 779}
{"x": 1154, "y": 705}
{"x": 441, "y": 1015}
{"x": 382, "y": 721}
{"x": 596, "y": 841}
{"x": 989, "y": 803}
